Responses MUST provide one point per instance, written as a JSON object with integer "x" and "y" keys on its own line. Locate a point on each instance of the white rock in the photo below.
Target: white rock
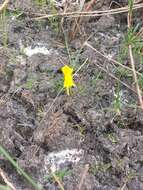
{"x": 29, "y": 51}
{"x": 56, "y": 159}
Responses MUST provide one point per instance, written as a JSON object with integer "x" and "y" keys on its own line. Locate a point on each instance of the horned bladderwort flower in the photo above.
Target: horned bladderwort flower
{"x": 68, "y": 78}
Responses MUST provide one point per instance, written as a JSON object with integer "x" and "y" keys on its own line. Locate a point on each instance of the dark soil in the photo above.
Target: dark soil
{"x": 76, "y": 130}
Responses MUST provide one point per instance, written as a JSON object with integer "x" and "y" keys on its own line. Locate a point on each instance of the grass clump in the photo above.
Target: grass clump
{"x": 136, "y": 41}
{"x": 134, "y": 38}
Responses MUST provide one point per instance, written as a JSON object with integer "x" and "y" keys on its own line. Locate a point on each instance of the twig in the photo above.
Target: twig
{"x": 4, "y": 5}
{"x": 6, "y": 180}
{"x": 129, "y": 20}
{"x": 111, "y": 75}
{"x": 80, "y": 67}
{"x": 51, "y": 106}
{"x": 110, "y": 59}
{"x": 90, "y": 13}
{"x": 86, "y": 168}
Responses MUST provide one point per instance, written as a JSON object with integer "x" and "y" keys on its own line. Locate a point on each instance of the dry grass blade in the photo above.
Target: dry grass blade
{"x": 76, "y": 23}
{"x": 6, "y": 180}
{"x": 91, "y": 13}
{"x": 114, "y": 77}
{"x": 86, "y": 168}
{"x": 135, "y": 76}
{"x": 124, "y": 186}
{"x": 4, "y": 5}
{"x": 58, "y": 181}
{"x": 140, "y": 33}
{"x": 112, "y": 60}
{"x": 76, "y": 26}
{"x": 129, "y": 21}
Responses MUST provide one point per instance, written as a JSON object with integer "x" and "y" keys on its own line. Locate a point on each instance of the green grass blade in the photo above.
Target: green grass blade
{"x": 19, "y": 169}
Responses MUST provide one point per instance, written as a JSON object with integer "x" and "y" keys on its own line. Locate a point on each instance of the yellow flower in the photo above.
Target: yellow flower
{"x": 68, "y": 78}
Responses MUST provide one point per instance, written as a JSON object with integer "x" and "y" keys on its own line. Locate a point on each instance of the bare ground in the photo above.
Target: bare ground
{"x": 76, "y": 131}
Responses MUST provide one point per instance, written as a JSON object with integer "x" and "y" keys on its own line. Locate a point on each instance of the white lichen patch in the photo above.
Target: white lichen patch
{"x": 36, "y": 48}
{"x": 57, "y": 159}
{"x": 29, "y": 51}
